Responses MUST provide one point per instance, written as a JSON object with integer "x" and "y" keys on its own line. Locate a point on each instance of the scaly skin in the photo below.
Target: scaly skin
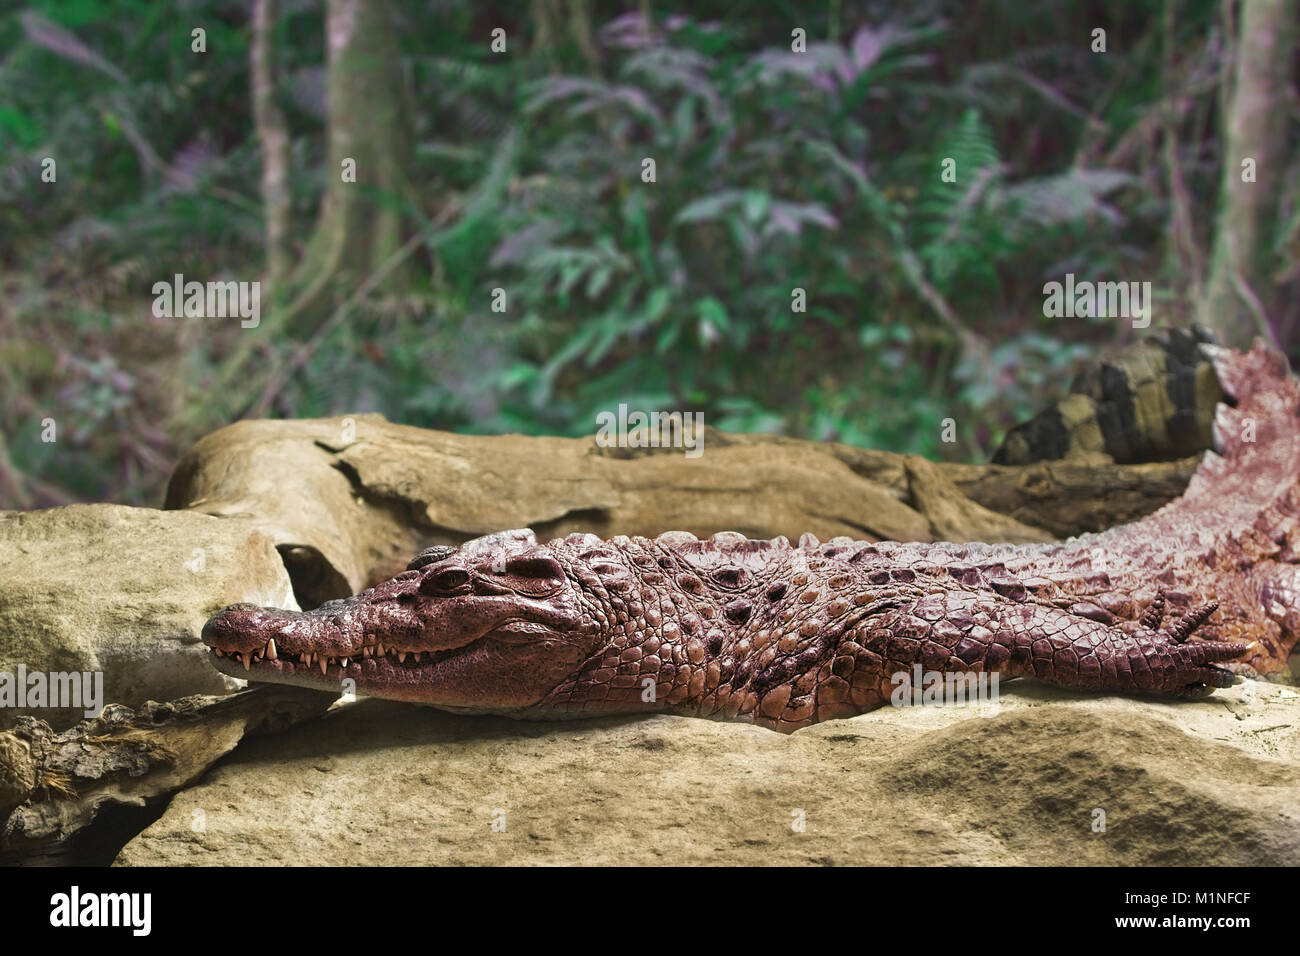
{"x": 786, "y": 636}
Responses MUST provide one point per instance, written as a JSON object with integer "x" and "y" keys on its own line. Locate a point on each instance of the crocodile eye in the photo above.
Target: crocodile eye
{"x": 445, "y": 582}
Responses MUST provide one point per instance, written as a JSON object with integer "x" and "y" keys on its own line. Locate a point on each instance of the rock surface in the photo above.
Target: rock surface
{"x": 125, "y": 591}
{"x": 1210, "y": 782}
{"x": 348, "y": 500}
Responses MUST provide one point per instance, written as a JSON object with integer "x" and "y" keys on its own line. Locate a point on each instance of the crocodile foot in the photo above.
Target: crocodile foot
{"x": 1181, "y": 667}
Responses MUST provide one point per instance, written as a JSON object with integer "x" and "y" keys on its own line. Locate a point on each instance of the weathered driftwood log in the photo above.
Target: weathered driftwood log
{"x": 347, "y": 500}
{"x": 54, "y": 785}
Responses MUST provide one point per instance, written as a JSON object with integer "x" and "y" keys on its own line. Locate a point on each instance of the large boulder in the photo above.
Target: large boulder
{"x": 123, "y": 593}
{"x": 1048, "y": 778}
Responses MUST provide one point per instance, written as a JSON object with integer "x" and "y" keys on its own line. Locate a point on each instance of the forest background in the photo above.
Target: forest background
{"x": 500, "y": 260}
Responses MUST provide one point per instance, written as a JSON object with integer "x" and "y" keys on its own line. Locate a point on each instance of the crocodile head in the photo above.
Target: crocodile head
{"x": 490, "y": 626}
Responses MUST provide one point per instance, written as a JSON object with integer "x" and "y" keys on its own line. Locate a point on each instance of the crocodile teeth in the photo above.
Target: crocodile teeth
{"x": 270, "y": 650}
{"x": 346, "y": 661}
{"x": 380, "y": 650}
{"x": 401, "y": 657}
{"x": 323, "y": 665}
{"x": 247, "y": 659}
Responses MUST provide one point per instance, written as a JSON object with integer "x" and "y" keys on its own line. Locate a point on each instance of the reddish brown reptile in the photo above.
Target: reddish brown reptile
{"x": 786, "y": 636}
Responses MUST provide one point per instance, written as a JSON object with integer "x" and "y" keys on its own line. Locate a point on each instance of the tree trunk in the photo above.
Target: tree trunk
{"x": 362, "y": 223}
{"x": 273, "y": 135}
{"x": 554, "y": 29}
{"x": 1239, "y": 289}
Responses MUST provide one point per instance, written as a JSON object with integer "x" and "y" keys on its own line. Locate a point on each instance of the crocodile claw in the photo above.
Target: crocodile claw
{"x": 1190, "y": 621}
{"x": 1194, "y": 674}
{"x": 1164, "y": 660}
{"x": 1191, "y": 670}
{"x": 1155, "y": 613}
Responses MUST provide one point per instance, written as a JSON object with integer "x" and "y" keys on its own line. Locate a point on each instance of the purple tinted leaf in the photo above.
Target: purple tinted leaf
{"x": 188, "y": 164}
{"x": 711, "y": 206}
{"x": 814, "y": 213}
{"x": 65, "y": 43}
{"x": 557, "y": 87}
{"x": 521, "y": 245}
{"x": 782, "y": 221}
{"x": 788, "y": 218}
{"x": 637, "y": 100}
{"x": 306, "y": 88}
{"x": 626, "y": 32}
{"x": 868, "y": 44}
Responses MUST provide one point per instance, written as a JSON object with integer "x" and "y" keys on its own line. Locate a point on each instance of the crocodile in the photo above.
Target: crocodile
{"x": 785, "y": 635}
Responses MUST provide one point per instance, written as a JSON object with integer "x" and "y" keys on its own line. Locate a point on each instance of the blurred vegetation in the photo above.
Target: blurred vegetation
{"x": 774, "y": 171}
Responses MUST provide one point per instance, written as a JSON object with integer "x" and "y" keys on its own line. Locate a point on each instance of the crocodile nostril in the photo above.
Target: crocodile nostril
{"x": 232, "y": 624}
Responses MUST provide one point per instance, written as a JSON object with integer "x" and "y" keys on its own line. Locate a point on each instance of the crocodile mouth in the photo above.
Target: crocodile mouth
{"x": 372, "y": 664}
{"x": 373, "y": 661}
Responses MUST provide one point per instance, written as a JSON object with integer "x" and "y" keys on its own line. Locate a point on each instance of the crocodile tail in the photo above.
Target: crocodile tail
{"x": 1246, "y": 495}
{"x": 1253, "y": 476}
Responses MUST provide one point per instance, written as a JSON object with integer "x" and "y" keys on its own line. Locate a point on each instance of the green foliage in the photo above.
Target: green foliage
{"x": 775, "y": 171}
{"x": 958, "y": 246}
{"x": 765, "y": 183}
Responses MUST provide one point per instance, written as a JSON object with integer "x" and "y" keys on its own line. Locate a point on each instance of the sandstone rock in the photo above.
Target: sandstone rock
{"x": 1210, "y": 782}
{"x": 330, "y": 533}
{"x": 124, "y": 592}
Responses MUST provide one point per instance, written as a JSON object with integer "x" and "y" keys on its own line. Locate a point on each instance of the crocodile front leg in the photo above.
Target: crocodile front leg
{"x": 959, "y": 632}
